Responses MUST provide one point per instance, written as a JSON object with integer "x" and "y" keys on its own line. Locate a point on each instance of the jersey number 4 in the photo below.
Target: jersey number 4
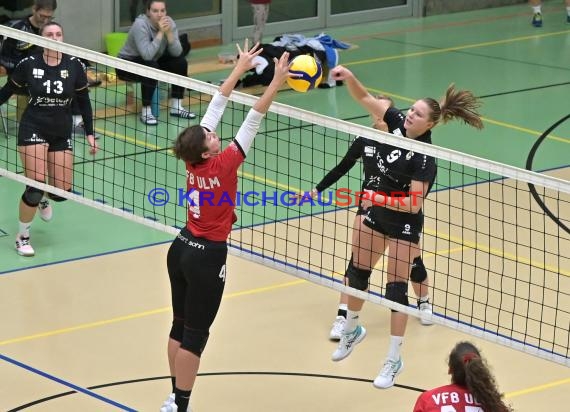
{"x": 57, "y": 86}
{"x": 222, "y": 274}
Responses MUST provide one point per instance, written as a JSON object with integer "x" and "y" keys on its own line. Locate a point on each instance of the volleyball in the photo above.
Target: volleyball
{"x": 309, "y": 72}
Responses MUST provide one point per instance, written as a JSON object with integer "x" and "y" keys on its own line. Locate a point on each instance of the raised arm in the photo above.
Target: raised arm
{"x": 218, "y": 104}
{"x": 376, "y": 107}
{"x": 249, "y": 128}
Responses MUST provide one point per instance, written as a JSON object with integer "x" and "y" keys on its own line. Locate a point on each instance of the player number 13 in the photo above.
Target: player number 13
{"x": 57, "y": 86}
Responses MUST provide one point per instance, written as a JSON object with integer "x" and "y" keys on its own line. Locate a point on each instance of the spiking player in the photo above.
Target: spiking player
{"x": 365, "y": 149}
{"x": 395, "y": 223}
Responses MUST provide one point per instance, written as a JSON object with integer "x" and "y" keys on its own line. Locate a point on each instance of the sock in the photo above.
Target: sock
{"x": 182, "y": 399}
{"x": 423, "y": 299}
{"x": 351, "y": 321}
{"x": 536, "y": 9}
{"x": 146, "y": 111}
{"x": 24, "y": 230}
{"x": 395, "y": 344}
{"x": 176, "y": 105}
{"x": 173, "y": 380}
{"x": 342, "y": 308}
{"x": 568, "y": 11}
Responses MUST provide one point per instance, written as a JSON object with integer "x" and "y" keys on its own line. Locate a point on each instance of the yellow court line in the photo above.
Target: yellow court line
{"x": 497, "y": 252}
{"x": 427, "y": 254}
{"x": 455, "y": 48}
{"x": 537, "y": 388}
{"x": 485, "y": 119}
{"x": 140, "y": 315}
{"x": 136, "y": 142}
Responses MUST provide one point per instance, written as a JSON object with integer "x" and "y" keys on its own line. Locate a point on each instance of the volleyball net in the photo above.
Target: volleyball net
{"x": 496, "y": 257}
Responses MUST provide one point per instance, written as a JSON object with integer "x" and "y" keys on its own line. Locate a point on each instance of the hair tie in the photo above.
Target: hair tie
{"x": 468, "y": 357}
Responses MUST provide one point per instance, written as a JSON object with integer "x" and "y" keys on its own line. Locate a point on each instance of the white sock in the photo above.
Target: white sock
{"x": 568, "y": 11}
{"x": 24, "y": 230}
{"x": 536, "y": 9}
{"x": 351, "y": 321}
{"x": 395, "y": 345}
{"x": 343, "y": 306}
{"x": 424, "y": 298}
{"x": 176, "y": 105}
{"x": 146, "y": 111}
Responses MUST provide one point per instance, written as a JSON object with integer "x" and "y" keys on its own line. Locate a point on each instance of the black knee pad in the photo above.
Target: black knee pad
{"x": 32, "y": 196}
{"x": 397, "y": 292}
{"x": 177, "y": 330}
{"x": 194, "y": 341}
{"x": 57, "y": 198}
{"x": 418, "y": 273}
{"x": 357, "y": 278}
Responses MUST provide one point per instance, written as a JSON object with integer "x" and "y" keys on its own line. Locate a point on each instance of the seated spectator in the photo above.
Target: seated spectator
{"x": 153, "y": 40}
{"x": 472, "y": 385}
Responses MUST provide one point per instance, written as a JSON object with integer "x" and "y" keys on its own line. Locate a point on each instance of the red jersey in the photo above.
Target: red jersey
{"x": 211, "y": 194}
{"x": 449, "y": 398}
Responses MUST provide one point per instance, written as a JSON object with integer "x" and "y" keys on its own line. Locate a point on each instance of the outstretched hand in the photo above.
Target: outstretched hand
{"x": 282, "y": 69}
{"x": 246, "y": 56}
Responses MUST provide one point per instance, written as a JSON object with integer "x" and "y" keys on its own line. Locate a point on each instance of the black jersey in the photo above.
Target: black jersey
{"x": 51, "y": 90}
{"x": 386, "y": 168}
{"x": 14, "y": 50}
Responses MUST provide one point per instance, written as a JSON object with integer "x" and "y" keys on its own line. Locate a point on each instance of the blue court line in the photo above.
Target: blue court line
{"x": 111, "y": 252}
{"x": 68, "y": 384}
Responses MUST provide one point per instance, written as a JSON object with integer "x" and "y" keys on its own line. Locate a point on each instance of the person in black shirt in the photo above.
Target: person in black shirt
{"x": 14, "y": 50}
{"x": 362, "y": 148}
{"x": 394, "y": 202}
{"x": 52, "y": 80}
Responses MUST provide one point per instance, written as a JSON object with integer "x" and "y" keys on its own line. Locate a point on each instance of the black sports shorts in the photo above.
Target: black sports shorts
{"x": 28, "y": 136}
{"x": 394, "y": 224}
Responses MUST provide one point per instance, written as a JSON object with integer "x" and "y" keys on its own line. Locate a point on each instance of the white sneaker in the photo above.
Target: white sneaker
{"x": 171, "y": 407}
{"x": 46, "y": 212}
{"x": 426, "y": 312}
{"x": 347, "y": 343}
{"x": 387, "y": 375}
{"x": 23, "y": 246}
{"x": 337, "y": 328}
{"x": 169, "y": 400}
{"x": 149, "y": 119}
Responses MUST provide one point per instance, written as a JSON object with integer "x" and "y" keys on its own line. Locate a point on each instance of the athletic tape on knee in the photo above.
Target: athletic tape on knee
{"x": 397, "y": 292}
{"x": 357, "y": 278}
{"x": 32, "y": 196}
{"x": 418, "y": 273}
{"x": 177, "y": 330}
{"x": 194, "y": 341}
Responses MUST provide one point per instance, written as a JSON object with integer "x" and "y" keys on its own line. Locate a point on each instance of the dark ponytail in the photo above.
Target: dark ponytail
{"x": 469, "y": 369}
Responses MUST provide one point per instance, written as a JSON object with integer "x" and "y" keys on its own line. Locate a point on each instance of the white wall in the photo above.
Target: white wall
{"x": 85, "y": 22}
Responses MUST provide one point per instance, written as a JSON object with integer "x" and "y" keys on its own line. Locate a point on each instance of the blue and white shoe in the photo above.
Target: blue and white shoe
{"x": 387, "y": 375}
{"x": 347, "y": 343}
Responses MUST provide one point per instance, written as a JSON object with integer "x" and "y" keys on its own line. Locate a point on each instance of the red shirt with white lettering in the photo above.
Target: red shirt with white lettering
{"x": 449, "y": 398}
{"x": 211, "y": 195}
